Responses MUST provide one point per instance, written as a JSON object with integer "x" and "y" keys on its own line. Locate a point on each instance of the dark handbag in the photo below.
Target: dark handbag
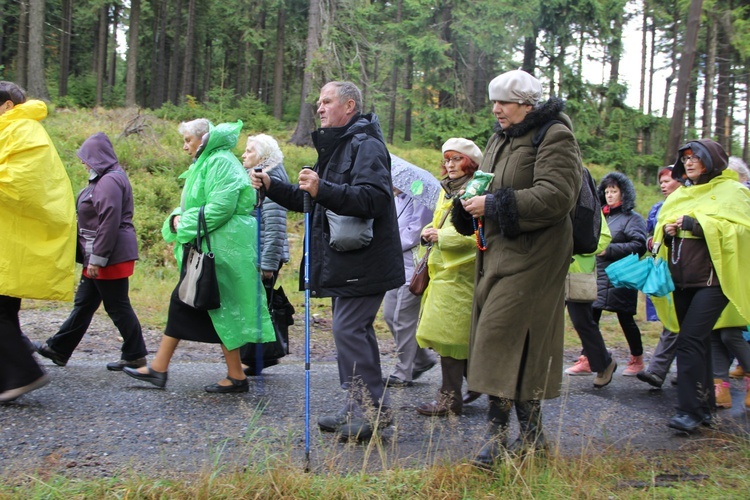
{"x": 282, "y": 316}
{"x": 421, "y": 277}
{"x": 199, "y": 287}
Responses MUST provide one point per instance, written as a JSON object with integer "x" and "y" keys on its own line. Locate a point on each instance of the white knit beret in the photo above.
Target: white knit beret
{"x": 465, "y": 147}
{"x": 516, "y": 86}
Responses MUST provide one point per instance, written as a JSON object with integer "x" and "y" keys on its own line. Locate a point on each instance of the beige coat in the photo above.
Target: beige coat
{"x": 516, "y": 342}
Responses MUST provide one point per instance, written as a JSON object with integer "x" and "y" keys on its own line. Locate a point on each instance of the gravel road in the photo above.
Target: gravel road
{"x": 89, "y": 422}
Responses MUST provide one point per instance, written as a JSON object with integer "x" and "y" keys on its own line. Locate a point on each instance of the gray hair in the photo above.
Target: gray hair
{"x": 196, "y": 128}
{"x": 267, "y": 148}
{"x": 346, "y": 91}
{"x": 9, "y": 91}
{"x": 739, "y": 166}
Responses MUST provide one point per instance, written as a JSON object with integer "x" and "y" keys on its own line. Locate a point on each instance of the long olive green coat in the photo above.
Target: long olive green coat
{"x": 516, "y": 342}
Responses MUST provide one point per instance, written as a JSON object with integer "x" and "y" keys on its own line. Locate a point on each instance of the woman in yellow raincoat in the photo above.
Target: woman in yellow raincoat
{"x": 703, "y": 231}
{"x": 445, "y": 318}
{"x": 37, "y": 235}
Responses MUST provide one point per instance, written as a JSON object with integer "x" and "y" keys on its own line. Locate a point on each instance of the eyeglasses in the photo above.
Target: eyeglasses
{"x": 688, "y": 158}
{"x": 454, "y": 159}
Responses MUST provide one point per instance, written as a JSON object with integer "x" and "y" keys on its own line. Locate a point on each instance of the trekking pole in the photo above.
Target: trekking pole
{"x": 260, "y": 292}
{"x": 307, "y": 208}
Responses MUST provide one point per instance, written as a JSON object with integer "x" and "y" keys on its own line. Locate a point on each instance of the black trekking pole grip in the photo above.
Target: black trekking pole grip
{"x": 307, "y": 199}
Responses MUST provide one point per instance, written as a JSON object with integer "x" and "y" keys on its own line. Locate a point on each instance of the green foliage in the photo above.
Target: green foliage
{"x": 438, "y": 125}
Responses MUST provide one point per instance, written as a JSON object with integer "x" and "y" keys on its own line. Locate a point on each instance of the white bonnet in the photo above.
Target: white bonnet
{"x": 465, "y": 147}
{"x": 516, "y": 86}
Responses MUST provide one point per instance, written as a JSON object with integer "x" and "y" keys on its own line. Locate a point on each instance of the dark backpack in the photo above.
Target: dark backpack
{"x": 587, "y": 215}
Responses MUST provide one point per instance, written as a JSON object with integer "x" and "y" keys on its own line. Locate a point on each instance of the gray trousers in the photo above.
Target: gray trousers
{"x": 664, "y": 354}
{"x": 726, "y": 344}
{"x": 357, "y": 350}
{"x": 401, "y": 314}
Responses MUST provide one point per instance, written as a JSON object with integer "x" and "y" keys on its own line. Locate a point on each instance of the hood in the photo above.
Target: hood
{"x": 29, "y": 110}
{"x": 545, "y": 112}
{"x": 712, "y": 155}
{"x": 98, "y": 153}
{"x": 627, "y": 190}
{"x": 221, "y": 136}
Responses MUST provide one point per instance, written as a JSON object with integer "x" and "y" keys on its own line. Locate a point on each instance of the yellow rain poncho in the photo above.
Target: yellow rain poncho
{"x": 445, "y": 318}
{"x": 37, "y": 210}
{"x": 722, "y": 207}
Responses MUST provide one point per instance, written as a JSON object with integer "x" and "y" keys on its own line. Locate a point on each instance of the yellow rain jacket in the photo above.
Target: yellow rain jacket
{"x": 722, "y": 207}
{"x": 37, "y": 210}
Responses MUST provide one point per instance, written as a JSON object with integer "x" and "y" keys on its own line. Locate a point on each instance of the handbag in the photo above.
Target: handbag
{"x": 659, "y": 281}
{"x": 580, "y": 287}
{"x": 629, "y": 272}
{"x": 348, "y": 233}
{"x": 198, "y": 286}
{"x": 421, "y": 277}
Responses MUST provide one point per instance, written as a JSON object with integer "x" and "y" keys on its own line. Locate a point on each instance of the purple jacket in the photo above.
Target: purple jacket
{"x": 412, "y": 217}
{"x": 105, "y": 207}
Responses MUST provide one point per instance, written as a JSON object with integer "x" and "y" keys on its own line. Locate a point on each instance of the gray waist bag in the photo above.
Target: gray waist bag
{"x": 348, "y": 233}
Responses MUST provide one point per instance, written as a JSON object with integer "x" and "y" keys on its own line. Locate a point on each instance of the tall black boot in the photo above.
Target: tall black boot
{"x": 531, "y": 437}
{"x": 496, "y": 438}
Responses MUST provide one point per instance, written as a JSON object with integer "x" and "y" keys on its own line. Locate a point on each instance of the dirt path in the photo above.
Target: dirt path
{"x": 91, "y": 422}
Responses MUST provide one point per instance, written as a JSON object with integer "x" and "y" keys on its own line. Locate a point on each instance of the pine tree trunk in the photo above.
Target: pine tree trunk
{"x": 101, "y": 52}
{"x": 188, "y": 64}
{"x": 159, "y": 65}
{"x": 112, "y": 73}
{"x": 176, "y": 56}
{"x": 66, "y": 26}
{"x": 306, "y": 119}
{"x": 724, "y": 81}
{"x": 683, "y": 81}
{"x": 408, "y": 88}
{"x": 258, "y": 55}
{"x": 278, "y": 68}
{"x": 22, "y": 57}
{"x": 132, "y": 57}
{"x": 708, "y": 86}
{"x": 37, "y": 83}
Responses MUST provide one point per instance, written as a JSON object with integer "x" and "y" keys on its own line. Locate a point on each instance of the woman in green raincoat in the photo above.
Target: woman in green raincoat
{"x": 217, "y": 181}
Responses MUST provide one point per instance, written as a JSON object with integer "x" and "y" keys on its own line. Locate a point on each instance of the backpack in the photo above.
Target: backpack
{"x": 587, "y": 215}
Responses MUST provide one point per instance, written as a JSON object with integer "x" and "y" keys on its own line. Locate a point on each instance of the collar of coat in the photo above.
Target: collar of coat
{"x": 541, "y": 114}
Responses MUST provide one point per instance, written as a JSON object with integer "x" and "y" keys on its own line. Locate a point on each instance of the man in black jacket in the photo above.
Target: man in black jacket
{"x": 351, "y": 178}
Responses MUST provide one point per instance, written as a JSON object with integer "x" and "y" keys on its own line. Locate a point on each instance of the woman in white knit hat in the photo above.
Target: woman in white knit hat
{"x": 524, "y": 222}
{"x": 446, "y": 306}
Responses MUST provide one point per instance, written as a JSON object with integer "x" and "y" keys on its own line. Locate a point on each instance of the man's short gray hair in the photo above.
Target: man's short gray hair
{"x": 346, "y": 91}
{"x": 196, "y": 128}
{"x": 267, "y": 148}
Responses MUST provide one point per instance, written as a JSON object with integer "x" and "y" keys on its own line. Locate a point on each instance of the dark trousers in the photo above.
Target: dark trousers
{"x": 17, "y": 365}
{"x": 697, "y": 311}
{"x": 629, "y": 328}
{"x": 357, "y": 350}
{"x": 582, "y": 316}
{"x": 91, "y": 294}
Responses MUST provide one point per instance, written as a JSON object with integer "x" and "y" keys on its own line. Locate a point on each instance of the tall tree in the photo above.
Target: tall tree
{"x": 724, "y": 80}
{"x": 683, "y": 80}
{"x": 66, "y": 25}
{"x": 188, "y": 65}
{"x": 22, "y": 56}
{"x": 306, "y": 119}
{"x": 37, "y": 83}
{"x": 708, "y": 85}
{"x": 278, "y": 67}
{"x": 132, "y": 57}
{"x": 101, "y": 52}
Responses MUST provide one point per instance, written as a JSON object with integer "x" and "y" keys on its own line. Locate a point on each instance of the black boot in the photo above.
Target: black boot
{"x": 496, "y": 438}
{"x": 531, "y": 437}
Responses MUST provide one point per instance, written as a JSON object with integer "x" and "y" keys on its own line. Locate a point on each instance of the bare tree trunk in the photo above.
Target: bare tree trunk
{"x": 37, "y": 83}
{"x": 132, "y": 57}
{"x": 394, "y": 80}
{"x": 278, "y": 68}
{"x": 723, "y": 84}
{"x": 683, "y": 81}
{"x": 112, "y": 74}
{"x": 258, "y": 54}
{"x": 101, "y": 52}
{"x": 23, "y": 44}
{"x": 408, "y": 87}
{"x": 174, "y": 60}
{"x": 673, "y": 74}
{"x": 708, "y": 86}
{"x": 651, "y": 69}
{"x": 642, "y": 89}
{"x": 306, "y": 119}
{"x": 188, "y": 65}
{"x": 529, "y": 53}
{"x": 65, "y": 28}
{"x": 159, "y": 65}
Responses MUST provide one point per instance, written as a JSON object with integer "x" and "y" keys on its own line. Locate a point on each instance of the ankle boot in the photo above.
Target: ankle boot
{"x": 496, "y": 438}
{"x": 723, "y": 393}
{"x": 530, "y": 437}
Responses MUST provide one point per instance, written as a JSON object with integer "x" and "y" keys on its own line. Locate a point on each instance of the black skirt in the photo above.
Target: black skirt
{"x": 186, "y": 323}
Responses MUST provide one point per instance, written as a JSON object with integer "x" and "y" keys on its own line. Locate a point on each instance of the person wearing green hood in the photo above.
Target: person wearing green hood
{"x": 217, "y": 182}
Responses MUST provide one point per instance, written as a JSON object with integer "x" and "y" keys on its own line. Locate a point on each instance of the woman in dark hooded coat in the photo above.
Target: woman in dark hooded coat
{"x": 108, "y": 249}
{"x": 628, "y": 228}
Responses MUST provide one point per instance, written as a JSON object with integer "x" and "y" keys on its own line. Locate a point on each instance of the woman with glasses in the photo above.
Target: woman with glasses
{"x": 703, "y": 231}
{"x": 628, "y": 229}
{"x": 446, "y": 306}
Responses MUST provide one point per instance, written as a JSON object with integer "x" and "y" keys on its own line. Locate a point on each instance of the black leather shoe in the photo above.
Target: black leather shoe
{"x": 650, "y": 378}
{"x": 49, "y": 353}
{"x": 393, "y": 381}
{"x": 415, "y": 374}
{"x": 684, "y": 422}
{"x": 159, "y": 379}
{"x": 117, "y": 366}
{"x": 237, "y": 386}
